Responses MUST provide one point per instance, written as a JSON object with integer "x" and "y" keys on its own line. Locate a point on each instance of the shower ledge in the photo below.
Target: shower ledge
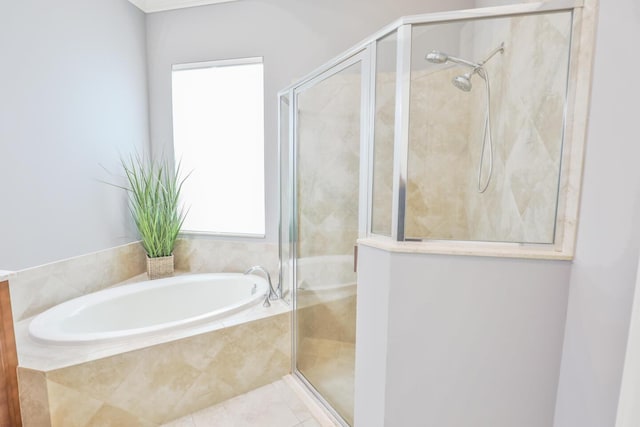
{"x": 488, "y": 249}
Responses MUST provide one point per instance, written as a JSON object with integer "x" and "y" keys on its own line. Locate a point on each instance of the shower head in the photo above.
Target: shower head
{"x": 437, "y": 57}
{"x": 463, "y": 82}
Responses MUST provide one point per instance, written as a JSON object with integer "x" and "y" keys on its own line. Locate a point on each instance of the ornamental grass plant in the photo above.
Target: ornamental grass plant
{"x": 154, "y": 201}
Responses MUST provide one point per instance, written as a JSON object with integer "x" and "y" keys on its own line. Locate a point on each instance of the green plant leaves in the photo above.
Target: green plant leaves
{"x": 154, "y": 193}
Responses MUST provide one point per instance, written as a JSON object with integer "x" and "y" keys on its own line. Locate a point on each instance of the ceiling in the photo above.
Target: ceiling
{"x": 149, "y": 6}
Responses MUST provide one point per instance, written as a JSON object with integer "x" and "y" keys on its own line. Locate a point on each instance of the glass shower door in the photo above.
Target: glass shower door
{"x": 327, "y": 176}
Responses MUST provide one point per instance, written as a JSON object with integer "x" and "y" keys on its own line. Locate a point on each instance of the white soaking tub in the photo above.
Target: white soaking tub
{"x": 147, "y": 307}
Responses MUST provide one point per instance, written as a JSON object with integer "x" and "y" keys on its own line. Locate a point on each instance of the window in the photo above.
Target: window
{"x": 218, "y": 136}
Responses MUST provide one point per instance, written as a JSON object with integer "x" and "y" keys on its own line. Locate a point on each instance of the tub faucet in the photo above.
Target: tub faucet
{"x": 272, "y": 294}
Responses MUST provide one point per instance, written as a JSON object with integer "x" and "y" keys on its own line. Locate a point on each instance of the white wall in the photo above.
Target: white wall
{"x": 73, "y": 96}
{"x": 471, "y": 341}
{"x": 606, "y": 261}
{"x": 293, "y": 36}
{"x": 628, "y": 414}
{"x": 372, "y": 326}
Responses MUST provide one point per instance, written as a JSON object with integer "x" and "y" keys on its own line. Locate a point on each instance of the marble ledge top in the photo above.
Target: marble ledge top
{"x": 42, "y": 357}
{"x": 484, "y": 249}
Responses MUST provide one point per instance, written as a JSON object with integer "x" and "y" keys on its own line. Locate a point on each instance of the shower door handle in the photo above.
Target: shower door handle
{"x": 355, "y": 258}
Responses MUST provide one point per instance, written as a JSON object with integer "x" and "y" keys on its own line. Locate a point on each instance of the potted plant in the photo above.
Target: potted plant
{"x": 154, "y": 192}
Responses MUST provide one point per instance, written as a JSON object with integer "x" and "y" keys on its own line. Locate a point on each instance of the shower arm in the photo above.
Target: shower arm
{"x": 463, "y": 62}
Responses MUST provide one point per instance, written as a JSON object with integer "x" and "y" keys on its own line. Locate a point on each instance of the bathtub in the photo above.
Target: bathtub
{"x": 147, "y": 308}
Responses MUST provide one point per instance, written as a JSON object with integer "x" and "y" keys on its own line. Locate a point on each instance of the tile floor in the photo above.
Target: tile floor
{"x": 274, "y": 405}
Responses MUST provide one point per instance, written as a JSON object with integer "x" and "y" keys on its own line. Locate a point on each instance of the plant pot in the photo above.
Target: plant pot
{"x": 159, "y": 267}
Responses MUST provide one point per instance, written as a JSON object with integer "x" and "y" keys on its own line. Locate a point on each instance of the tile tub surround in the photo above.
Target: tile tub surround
{"x": 202, "y": 254}
{"x": 36, "y": 289}
{"x": 48, "y": 387}
{"x": 154, "y": 385}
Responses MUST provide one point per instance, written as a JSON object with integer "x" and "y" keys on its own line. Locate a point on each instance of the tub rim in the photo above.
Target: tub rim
{"x": 40, "y": 326}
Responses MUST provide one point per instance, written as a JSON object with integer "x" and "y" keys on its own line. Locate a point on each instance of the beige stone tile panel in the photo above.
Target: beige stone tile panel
{"x": 34, "y": 400}
{"x": 156, "y": 386}
{"x": 109, "y": 416}
{"x": 208, "y": 389}
{"x": 100, "y": 378}
{"x": 69, "y": 407}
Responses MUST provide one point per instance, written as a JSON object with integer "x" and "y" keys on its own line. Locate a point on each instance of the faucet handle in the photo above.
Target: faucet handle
{"x": 272, "y": 294}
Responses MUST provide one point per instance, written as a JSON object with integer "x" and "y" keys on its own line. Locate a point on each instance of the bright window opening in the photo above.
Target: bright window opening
{"x": 218, "y": 136}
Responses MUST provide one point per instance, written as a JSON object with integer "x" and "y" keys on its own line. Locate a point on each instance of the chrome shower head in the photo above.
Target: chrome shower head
{"x": 437, "y": 57}
{"x": 463, "y": 82}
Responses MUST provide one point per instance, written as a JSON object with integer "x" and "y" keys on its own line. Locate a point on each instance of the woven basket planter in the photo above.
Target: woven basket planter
{"x": 160, "y": 267}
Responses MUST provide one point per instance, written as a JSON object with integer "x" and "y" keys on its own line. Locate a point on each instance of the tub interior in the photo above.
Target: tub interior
{"x": 157, "y": 305}
{"x": 146, "y": 307}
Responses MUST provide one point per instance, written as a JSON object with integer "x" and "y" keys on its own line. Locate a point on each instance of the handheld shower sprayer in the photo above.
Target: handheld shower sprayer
{"x": 463, "y": 82}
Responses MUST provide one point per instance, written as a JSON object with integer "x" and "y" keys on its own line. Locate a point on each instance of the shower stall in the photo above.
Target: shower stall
{"x": 446, "y": 132}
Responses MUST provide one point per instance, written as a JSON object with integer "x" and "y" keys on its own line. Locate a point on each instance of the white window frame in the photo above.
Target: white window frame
{"x": 218, "y": 64}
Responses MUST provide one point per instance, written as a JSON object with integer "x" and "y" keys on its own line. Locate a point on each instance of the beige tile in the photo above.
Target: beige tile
{"x": 34, "y": 400}
{"x": 329, "y": 112}
{"x": 207, "y": 390}
{"x": 168, "y": 381}
{"x": 182, "y": 422}
{"x": 246, "y": 365}
{"x": 214, "y": 416}
{"x": 155, "y": 387}
{"x": 100, "y": 378}
{"x": 291, "y": 399}
{"x": 334, "y": 379}
{"x": 69, "y": 407}
{"x": 260, "y": 407}
{"x": 202, "y": 255}
{"x": 309, "y": 423}
{"x": 109, "y": 416}
{"x": 275, "y": 404}
{"x": 36, "y": 289}
{"x": 195, "y": 351}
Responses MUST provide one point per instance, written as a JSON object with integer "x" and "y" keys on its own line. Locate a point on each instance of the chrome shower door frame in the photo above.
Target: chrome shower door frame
{"x": 362, "y": 56}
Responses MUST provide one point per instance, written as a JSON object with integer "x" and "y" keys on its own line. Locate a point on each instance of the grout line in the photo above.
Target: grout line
{"x": 318, "y": 412}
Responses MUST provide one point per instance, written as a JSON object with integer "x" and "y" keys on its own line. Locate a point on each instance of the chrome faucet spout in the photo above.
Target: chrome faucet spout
{"x": 272, "y": 294}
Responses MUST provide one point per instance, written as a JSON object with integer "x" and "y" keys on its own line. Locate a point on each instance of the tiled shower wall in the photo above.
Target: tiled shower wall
{"x": 528, "y": 85}
{"x": 440, "y": 172}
